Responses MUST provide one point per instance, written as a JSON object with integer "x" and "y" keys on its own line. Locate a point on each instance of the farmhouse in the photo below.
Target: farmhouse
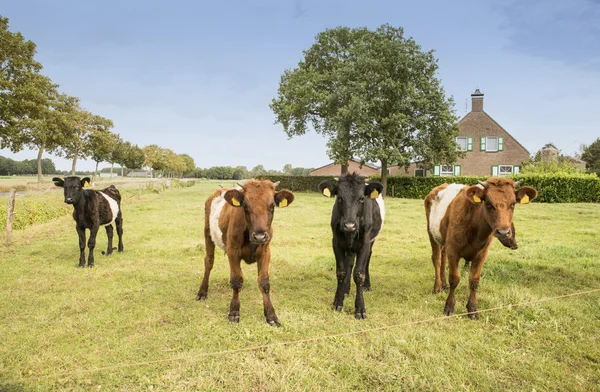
{"x": 354, "y": 165}
{"x": 490, "y": 149}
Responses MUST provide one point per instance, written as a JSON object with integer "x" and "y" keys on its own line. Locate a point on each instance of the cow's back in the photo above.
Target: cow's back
{"x": 436, "y": 206}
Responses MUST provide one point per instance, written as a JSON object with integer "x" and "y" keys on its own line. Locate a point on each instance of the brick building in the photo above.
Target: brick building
{"x": 334, "y": 169}
{"x": 490, "y": 149}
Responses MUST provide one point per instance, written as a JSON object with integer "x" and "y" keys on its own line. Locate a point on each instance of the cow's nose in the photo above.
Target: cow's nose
{"x": 348, "y": 226}
{"x": 260, "y": 237}
{"x": 69, "y": 199}
{"x": 502, "y": 233}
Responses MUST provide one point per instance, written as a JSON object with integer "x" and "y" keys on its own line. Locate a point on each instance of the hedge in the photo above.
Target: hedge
{"x": 552, "y": 188}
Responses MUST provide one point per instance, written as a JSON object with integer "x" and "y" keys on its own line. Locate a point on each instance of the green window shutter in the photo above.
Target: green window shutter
{"x": 500, "y": 143}
{"x": 516, "y": 169}
{"x": 483, "y": 143}
{"x": 494, "y": 170}
{"x": 457, "y": 170}
{"x": 469, "y": 144}
{"x": 436, "y": 170}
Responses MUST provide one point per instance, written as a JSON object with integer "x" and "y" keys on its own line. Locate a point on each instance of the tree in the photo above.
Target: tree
{"x": 102, "y": 145}
{"x": 258, "y": 170}
{"x": 190, "y": 165}
{"x": 591, "y": 155}
{"x": 287, "y": 168}
{"x": 154, "y": 158}
{"x": 374, "y": 94}
{"x": 240, "y": 173}
{"x": 19, "y": 75}
{"x": 134, "y": 159}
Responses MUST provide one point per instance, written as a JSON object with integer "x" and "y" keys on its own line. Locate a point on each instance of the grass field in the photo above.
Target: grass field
{"x": 132, "y": 322}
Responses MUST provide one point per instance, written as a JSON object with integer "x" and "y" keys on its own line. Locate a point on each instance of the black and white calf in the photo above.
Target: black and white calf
{"x": 93, "y": 209}
{"x": 356, "y": 220}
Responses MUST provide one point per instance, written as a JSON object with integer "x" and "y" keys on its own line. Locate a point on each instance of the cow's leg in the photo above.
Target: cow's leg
{"x": 436, "y": 259}
{"x": 348, "y": 277}
{"x": 119, "y": 224}
{"x": 109, "y": 234}
{"x": 265, "y": 288}
{"x": 92, "y": 245}
{"x": 236, "y": 279}
{"x": 453, "y": 259}
{"x": 367, "y": 285}
{"x": 81, "y": 234}
{"x": 359, "y": 279}
{"x": 443, "y": 265}
{"x": 474, "y": 276}
{"x": 209, "y": 261}
{"x": 343, "y": 263}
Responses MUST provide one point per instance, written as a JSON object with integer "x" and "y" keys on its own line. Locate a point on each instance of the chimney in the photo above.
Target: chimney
{"x": 477, "y": 101}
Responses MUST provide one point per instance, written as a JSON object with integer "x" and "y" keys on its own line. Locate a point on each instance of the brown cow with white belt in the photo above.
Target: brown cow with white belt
{"x": 238, "y": 221}
{"x": 462, "y": 222}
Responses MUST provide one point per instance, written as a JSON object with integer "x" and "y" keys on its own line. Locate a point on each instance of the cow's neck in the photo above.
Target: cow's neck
{"x": 80, "y": 205}
{"x": 484, "y": 229}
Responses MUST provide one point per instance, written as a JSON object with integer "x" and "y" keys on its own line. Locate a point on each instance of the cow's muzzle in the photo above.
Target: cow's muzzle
{"x": 349, "y": 227}
{"x": 259, "y": 237}
{"x": 69, "y": 200}
{"x": 502, "y": 234}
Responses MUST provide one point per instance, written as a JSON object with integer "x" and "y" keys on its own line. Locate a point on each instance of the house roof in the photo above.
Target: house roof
{"x": 575, "y": 159}
{"x": 501, "y": 127}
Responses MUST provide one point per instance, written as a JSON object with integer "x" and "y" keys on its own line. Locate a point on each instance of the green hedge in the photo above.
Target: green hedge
{"x": 552, "y": 188}
{"x": 298, "y": 183}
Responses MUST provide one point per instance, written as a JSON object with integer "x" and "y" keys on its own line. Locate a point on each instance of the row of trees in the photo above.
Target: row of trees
{"x": 373, "y": 95}
{"x": 241, "y": 172}
{"x": 8, "y": 166}
{"x": 36, "y": 115}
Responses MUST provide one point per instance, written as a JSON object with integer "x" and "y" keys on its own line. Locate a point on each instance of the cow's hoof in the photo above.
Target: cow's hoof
{"x": 337, "y": 308}
{"x": 361, "y": 315}
{"x": 473, "y": 315}
{"x": 367, "y": 288}
{"x": 91, "y": 265}
{"x": 274, "y": 323}
{"x": 437, "y": 289}
{"x": 201, "y": 297}
{"x": 234, "y": 317}
{"x": 81, "y": 266}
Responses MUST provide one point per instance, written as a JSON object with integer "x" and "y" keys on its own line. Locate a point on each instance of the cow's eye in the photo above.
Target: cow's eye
{"x": 512, "y": 206}
{"x": 489, "y": 206}
{"x": 361, "y": 200}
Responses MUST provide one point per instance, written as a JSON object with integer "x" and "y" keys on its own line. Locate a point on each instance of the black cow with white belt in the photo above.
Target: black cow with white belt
{"x": 93, "y": 209}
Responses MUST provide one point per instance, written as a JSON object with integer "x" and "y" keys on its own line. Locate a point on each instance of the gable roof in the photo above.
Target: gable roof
{"x": 500, "y": 126}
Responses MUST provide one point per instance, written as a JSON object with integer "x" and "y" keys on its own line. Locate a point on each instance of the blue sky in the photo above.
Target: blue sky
{"x": 197, "y": 76}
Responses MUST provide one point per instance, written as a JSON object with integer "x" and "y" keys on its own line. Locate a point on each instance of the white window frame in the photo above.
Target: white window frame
{"x": 466, "y": 140}
{"x": 505, "y": 174}
{"x": 447, "y": 173}
{"x": 487, "y": 143}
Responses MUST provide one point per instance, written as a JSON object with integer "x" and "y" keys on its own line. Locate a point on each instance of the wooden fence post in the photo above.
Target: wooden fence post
{"x": 9, "y": 217}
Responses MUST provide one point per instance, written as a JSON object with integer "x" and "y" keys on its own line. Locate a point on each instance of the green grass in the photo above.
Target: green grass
{"x": 109, "y": 328}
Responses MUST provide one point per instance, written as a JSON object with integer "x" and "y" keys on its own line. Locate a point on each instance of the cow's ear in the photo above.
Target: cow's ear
{"x": 234, "y": 197}
{"x": 284, "y": 198}
{"x": 373, "y": 190}
{"x": 85, "y": 181}
{"x": 327, "y": 188}
{"x": 526, "y": 194}
{"x": 475, "y": 194}
{"x": 58, "y": 181}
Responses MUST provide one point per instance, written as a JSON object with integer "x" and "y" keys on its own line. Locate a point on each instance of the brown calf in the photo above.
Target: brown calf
{"x": 239, "y": 222}
{"x": 462, "y": 223}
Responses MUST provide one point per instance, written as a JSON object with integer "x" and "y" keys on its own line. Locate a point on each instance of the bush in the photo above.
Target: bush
{"x": 298, "y": 183}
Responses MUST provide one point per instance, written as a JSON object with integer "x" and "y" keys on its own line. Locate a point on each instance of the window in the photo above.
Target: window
{"x": 505, "y": 170}
{"x": 447, "y": 170}
{"x": 464, "y": 143}
{"x": 492, "y": 143}
{"x": 420, "y": 172}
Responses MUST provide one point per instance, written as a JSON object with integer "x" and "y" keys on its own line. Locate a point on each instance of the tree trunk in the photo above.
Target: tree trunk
{"x": 73, "y": 168}
{"x": 384, "y": 176}
{"x": 96, "y": 172}
{"x": 112, "y": 164}
{"x": 345, "y": 168}
{"x": 39, "y": 164}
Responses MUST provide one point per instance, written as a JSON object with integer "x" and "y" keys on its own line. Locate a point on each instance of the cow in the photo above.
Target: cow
{"x": 356, "y": 221}
{"x": 92, "y": 209}
{"x": 462, "y": 222}
{"x": 238, "y": 221}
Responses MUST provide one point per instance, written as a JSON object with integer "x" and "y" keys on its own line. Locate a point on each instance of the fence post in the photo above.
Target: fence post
{"x": 9, "y": 217}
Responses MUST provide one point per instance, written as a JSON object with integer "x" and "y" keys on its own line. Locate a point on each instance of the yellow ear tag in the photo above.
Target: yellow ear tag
{"x": 326, "y": 192}
{"x": 524, "y": 200}
{"x": 476, "y": 199}
{"x": 374, "y": 194}
{"x": 235, "y": 202}
{"x": 283, "y": 203}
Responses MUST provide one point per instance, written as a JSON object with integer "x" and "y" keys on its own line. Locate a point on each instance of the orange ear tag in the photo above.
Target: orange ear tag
{"x": 326, "y": 192}
{"x": 524, "y": 200}
{"x": 476, "y": 199}
{"x": 235, "y": 202}
{"x": 374, "y": 194}
{"x": 283, "y": 203}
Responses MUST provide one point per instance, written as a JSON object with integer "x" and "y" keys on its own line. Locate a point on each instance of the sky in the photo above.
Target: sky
{"x": 198, "y": 76}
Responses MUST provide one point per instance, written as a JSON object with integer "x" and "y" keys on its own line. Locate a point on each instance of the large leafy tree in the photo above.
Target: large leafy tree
{"x": 190, "y": 165}
{"x": 102, "y": 145}
{"x": 373, "y": 94}
{"x": 155, "y": 158}
{"x": 133, "y": 159}
{"x": 591, "y": 155}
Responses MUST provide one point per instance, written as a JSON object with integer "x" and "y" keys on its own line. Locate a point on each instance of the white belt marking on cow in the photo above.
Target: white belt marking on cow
{"x": 216, "y": 207}
{"x": 114, "y": 207}
{"x": 438, "y": 209}
{"x": 379, "y": 201}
